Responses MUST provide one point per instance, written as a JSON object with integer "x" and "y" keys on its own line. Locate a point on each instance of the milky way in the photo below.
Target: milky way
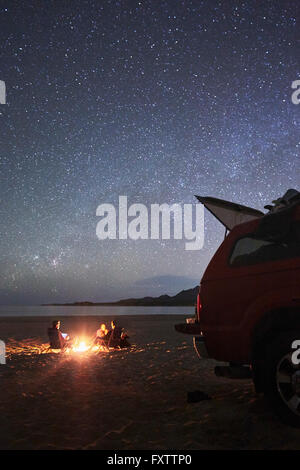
{"x": 156, "y": 100}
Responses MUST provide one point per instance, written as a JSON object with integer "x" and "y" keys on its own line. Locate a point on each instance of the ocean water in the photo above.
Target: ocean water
{"x": 49, "y": 311}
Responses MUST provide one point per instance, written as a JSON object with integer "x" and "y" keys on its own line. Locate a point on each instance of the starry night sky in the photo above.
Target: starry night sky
{"x": 156, "y": 100}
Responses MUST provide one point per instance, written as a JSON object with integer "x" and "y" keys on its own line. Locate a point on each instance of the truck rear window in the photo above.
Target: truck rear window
{"x": 250, "y": 250}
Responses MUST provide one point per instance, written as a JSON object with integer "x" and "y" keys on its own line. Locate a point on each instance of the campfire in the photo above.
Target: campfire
{"x": 80, "y": 346}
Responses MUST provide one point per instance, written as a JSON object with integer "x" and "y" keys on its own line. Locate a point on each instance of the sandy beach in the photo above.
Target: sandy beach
{"x": 129, "y": 399}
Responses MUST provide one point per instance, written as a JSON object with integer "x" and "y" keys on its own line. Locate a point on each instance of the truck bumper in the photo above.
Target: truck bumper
{"x": 188, "y": 328}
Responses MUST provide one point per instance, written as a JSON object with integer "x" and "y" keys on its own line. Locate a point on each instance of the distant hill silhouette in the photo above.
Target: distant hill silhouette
{"x": 183, "y": 298}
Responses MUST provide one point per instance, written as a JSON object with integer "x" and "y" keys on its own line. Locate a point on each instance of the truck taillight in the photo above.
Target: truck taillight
{"x": 199, "y": 306}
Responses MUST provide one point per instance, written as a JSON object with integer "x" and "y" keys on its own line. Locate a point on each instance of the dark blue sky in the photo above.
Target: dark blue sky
{"x": 154, "y": 100}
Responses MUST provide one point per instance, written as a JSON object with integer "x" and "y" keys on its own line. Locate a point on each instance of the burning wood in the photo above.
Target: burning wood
{"x": 80, "y": 346}
{"x": 83, "y": 345}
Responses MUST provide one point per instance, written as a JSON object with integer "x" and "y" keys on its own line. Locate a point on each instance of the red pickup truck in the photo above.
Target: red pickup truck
{"x": 248, "y": 306}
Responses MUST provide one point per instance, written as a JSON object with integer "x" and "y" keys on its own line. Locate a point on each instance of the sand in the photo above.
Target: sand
{"x": 130, "y": 399}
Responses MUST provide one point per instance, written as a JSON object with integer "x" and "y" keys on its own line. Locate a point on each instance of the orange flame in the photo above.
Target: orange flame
{"x": 80, "y": 346}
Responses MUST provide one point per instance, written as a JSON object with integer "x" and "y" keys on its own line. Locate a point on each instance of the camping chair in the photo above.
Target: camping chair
{"x": 55, "y": 340}
{"x": 102, "y": 342}
{"x": 115, "y": 338}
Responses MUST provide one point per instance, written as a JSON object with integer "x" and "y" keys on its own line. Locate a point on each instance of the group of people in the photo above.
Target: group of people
{"x": 113, "y": 338}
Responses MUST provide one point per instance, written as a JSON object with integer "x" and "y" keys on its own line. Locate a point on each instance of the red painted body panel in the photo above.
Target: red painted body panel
{"x": 235, "y": 298}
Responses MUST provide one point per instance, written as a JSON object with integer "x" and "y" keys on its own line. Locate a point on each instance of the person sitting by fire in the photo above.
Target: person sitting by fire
{"x": 117, "y": 337}
{"x": 102, "y": 335}
{"x": 57, "y": 339}
{"x": 124, "y": 343}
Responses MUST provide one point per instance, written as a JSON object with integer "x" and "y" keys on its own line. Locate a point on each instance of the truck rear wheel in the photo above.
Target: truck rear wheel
{"x": 282, "y": 378}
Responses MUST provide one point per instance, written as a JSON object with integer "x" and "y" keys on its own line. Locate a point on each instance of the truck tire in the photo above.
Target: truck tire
{"x": 282, "y": 378}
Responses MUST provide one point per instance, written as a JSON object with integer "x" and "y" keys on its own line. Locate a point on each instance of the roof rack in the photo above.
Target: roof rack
{"x": 289, "y": 199}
